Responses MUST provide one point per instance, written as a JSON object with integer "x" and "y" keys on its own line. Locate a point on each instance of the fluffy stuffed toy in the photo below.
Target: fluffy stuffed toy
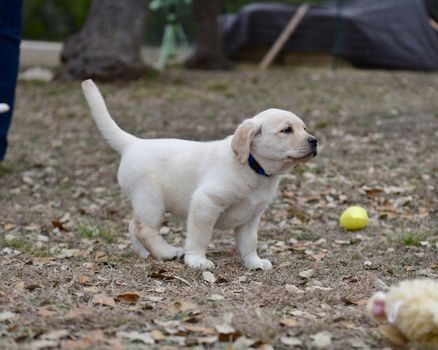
{"x": 411, "y": 308}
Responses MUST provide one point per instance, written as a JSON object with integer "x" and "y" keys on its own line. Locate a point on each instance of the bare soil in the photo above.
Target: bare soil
{"x": 65, "y": 255}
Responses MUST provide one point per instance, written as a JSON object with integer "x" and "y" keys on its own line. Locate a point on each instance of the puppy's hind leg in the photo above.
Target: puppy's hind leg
{"x": 148, "y": 213}
{"x": 138, "y": 247}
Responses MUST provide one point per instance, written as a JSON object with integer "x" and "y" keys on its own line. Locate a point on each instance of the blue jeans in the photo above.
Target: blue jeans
{"x": 10, "y": 34}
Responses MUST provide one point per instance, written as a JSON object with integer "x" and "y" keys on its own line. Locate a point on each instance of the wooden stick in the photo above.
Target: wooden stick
{"x": 284, "y": 36}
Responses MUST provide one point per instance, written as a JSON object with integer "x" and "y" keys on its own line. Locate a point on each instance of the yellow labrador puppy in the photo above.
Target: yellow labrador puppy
{"x": 224, "y": 184}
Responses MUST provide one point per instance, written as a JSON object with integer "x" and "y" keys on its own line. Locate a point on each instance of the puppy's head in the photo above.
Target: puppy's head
{"x": 276, "y": 136}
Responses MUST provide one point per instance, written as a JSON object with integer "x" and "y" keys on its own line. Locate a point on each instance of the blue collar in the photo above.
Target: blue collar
{"x": 256, "y": 166}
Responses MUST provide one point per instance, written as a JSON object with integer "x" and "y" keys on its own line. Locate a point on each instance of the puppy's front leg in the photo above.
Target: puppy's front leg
{"x": 246, "y": 238}
{"x": 204, "y": 212}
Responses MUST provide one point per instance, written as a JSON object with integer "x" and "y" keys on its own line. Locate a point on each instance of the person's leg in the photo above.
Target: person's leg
{"x": 10, "y": 34}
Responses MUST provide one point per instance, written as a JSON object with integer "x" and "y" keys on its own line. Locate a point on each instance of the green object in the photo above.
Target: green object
{"x": 354, "y": 218}
{"x": 174, "y": 34}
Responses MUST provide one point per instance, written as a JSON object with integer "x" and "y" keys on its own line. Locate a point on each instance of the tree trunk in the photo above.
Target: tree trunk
{"x": 108, "y": 45}
{"x": 208, "y": 52}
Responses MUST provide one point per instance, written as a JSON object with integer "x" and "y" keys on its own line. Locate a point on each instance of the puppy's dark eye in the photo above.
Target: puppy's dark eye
{"x": 287, "y": 130}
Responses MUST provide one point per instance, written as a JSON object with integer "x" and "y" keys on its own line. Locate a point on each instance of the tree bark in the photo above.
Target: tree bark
{"x": 208, "y": 52}
{"x": 108, "y": 46}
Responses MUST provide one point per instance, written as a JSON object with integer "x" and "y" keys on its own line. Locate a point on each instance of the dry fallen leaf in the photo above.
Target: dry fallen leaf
{"x": 32, "y": 227}
{"x": 7, "y": 315}
{"x": 224, "y": 328}
{"x": 289, "y": 322}
{"x": 208, "y": 276}
{"x": 322, "y": 339}
{"x": 242, "y": 343}
{"x": 43, "y": 344}
{"x": 145, "y": 338}
{"x": 91, "y": 290}
{"x": 199, "y": 329}
{"x": 306, "y": 274}
{"x": 45, "y": 312}
{"x": 161, "y": 275}
{"x": 226, "y": 332}
{"x": 207, "y": 340}
{"x": 359, "y": 302}
{"x": 68, "y": 253}
{"x": 104, "y": 300}
{"x": 157, "y": 335}
{"x": 170, "y": 327}
{"x": 319, "y": 256}
{"x": 59, "y": 225}
{"x": 293, "y": 289}
{"x": 99, "y": 254}
{"x": 86, "y": 341}
{"x": 291, "y": 341}
{"x": 129, "y": 297}
{"x": 80, "y": 312}
{"x": 215, "y": 297}
{"x": 84, "y": 280}
{"x": 9, "y": 226}
{"x": 182, "y": 306}
{"x": 31, "y": 287}
{"x": 56, "y": 334}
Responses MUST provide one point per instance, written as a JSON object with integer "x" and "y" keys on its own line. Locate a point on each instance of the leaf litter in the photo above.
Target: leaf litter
{"x": 65, "y": 255}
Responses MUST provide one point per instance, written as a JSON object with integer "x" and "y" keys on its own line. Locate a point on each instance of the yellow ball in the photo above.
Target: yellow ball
{"x": 354, "y": 218}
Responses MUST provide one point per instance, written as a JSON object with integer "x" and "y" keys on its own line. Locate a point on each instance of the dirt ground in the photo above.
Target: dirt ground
{"x": 69, "y": 278}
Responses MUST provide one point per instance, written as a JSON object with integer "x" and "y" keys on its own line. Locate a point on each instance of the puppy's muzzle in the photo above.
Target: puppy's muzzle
{"x": 313, "y": 142}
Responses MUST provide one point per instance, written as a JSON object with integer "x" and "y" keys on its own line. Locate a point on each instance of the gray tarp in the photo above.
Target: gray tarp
{"x": 379, "y": 33}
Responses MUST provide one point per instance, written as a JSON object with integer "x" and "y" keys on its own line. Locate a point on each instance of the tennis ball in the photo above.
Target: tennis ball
{"x": 354, "y": 218}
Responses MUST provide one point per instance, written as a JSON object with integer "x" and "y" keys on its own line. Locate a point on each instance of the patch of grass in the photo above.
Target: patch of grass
{"x": 120, "y": 322}
{"x": 177, "y": 96}
{"x": 4, "y": 168}
{"x": 323, "y": 124}
{"x": 300, "y": 170}
{"x": 43, "y": 252}
{"x": 177, "y": 81}
{"x": 148, "y": 270}
{"x": 152, "y": 74}
{"x": 5, "y": 196}
{"x": 22, "y": 245}
{"x": 318, "y": 170}
{"x": 211, "y": 115}
{"x": 219, "y": 86}
{"x": 412, "y": 238}
{"x": 25, "y": 246}
{"x": 364, "y": 122}
{"x": 90, "y": 232}
{"x": 125, "y": 256}
{"x": 86, "y": 232}
{"x": 108, "y": 236}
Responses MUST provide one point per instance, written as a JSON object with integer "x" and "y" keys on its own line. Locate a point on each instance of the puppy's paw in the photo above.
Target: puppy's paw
{"x": 198, "y": 262}
{"x": 171, "y": 253}
{"x": 254, "y": 262}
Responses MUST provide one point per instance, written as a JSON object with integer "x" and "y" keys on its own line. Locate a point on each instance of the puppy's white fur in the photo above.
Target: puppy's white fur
{"x": 210, "y": 184}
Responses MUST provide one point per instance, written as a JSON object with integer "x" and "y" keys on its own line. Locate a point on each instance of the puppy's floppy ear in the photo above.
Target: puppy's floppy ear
{"x": 241, "y": 141}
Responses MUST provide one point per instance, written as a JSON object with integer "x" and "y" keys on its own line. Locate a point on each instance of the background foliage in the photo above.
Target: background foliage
{"x": 55, "y": 20}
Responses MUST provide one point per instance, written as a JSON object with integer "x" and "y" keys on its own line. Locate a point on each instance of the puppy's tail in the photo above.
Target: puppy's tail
{"x": 111, "y": 132}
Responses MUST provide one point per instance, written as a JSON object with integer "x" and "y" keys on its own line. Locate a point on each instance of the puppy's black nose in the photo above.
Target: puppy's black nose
{"x": 313, "y": 141}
